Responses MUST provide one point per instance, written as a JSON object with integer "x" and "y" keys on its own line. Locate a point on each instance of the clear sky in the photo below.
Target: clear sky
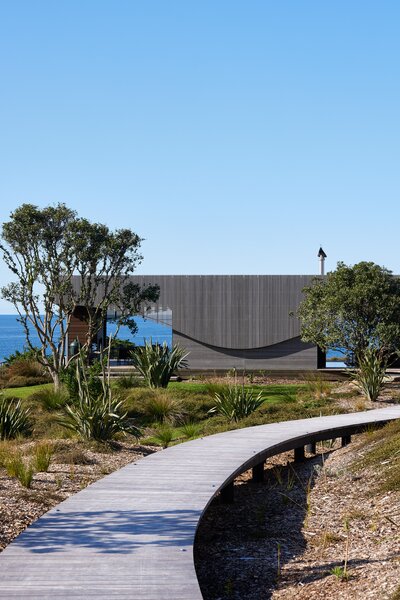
{"x": 235, "y": 137}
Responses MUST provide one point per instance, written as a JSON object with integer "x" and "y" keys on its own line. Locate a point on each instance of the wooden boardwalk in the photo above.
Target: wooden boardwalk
{"x": 131, "y": 534}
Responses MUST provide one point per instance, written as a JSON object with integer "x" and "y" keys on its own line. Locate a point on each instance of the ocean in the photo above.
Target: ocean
{"x": 12, "y": 336}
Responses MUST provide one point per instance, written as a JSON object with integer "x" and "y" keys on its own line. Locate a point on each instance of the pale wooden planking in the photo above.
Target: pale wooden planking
{"x": 131, "y": 534}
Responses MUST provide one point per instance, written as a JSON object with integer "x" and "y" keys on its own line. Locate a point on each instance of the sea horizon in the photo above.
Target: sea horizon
{"x": 12, "y": 335}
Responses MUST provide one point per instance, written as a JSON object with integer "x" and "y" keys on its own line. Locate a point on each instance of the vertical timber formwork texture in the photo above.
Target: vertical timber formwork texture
{"x": 241, "y": 321}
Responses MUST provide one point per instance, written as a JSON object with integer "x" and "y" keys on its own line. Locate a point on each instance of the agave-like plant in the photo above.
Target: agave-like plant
{"x": 14, "y": 419}
{"x": 157, "y": 363}
{"x": 236, "y": 402}
{"x": 370, "y": 375}
{"x": 96, "y": 417}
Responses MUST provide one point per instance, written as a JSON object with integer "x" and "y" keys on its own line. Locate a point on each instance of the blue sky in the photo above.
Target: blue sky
{"x": 234, "y": 137}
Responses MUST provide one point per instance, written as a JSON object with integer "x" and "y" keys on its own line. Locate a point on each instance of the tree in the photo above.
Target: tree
{"x": 354, "y": 308}
{"x": 44, "y": 249}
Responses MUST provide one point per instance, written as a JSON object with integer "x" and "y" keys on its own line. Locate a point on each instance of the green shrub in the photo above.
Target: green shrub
{"x": 126, "y": 382}
{"x": 236, "y": 402}
{"x": 90, "y": 376}
{"x": 14, "y": 420}
{"x": 21, "y": 381}
{"x": 22, "y": 372}
{"x": 157, "y": 363}
{"x": 49, "y": 398}
{"x": 27, "y": 354}
{"x": 164, "y": 435}
{"x": 42, "y": 454}
{"x": 370, "y": 375}
{"x": 26, "y": 367}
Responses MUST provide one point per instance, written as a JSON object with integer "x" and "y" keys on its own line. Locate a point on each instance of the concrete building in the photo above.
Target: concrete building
{"x": 231, "y": 321}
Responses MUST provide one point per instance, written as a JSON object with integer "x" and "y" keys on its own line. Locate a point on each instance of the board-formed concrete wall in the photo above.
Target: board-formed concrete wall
{"x": 288, "y": 355}
{"x": 234, "y": 321}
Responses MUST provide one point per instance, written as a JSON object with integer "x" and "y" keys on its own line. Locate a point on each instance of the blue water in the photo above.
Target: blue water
{"x": 336, "y": 354}
{"x": 12, "y": 336}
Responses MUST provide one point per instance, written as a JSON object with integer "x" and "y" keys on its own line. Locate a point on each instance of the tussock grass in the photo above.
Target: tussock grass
{"x": 25, "y": 474}
{"x": 127, "y": 382}
{"x": 191, "y": 430}
{"x": 19, "y": 468}
{"x": 42, "y": 454}
{"x": 49, "y": 399}
{"x": 72, "y": 456}
{"x": 317, "y": 386}
{"x": 163, "y": 435}
{"x": 154, "y": 406}
{"x": 380, "y": 452}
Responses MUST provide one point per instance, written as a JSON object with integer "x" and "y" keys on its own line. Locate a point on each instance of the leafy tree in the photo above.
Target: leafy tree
{"x": 44, "y": 249}
{"x": 355, "y": 308}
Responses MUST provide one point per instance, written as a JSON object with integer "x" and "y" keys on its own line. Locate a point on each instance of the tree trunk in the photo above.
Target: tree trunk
{"x": 56, "y": 381}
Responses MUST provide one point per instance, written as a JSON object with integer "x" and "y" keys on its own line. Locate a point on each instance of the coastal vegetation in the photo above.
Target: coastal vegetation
{"x": 22, "y": 369}
{"x": 156, "y": 363}
{"x": 77, "y": 435}
{"x": 44, "y": 249}
{"x": 355, "y": 309}
{"x": 90, "y": 408}
{"x": 236, "y": 402}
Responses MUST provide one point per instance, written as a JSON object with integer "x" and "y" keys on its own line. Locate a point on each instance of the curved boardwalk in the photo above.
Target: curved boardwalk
{"x": 131, "y": 534}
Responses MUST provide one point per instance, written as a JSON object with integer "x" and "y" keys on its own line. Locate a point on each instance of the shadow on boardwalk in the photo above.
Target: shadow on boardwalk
{"x": 109, "y": 532}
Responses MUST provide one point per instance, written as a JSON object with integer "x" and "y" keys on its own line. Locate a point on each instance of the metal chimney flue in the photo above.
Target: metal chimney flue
{"x": 322, "y": 256}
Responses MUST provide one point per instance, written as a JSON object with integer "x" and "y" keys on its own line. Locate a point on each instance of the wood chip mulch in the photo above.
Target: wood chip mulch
{"x": 281, "y": 538}
{"x": 72, "y": 468}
